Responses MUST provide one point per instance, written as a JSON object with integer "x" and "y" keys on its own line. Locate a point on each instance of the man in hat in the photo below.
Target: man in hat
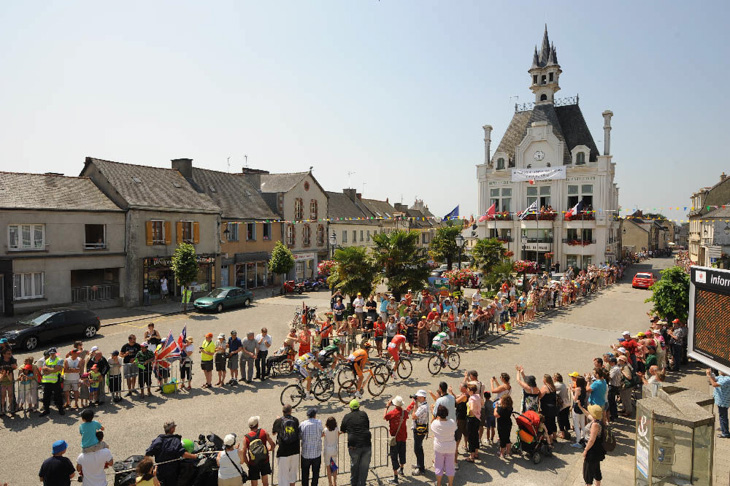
{"x": 419, "y": 414}
{"x": 57, "y": 470}
{"x": 50, "y": 379}
{"x": 311, "y": 433}
{"x": 627, "y": 375}
{"x": 166, "y": 448}
{"x": 96, "y": 357}
{"x": 397, "y": 419}
{"x": 357, "y": 426}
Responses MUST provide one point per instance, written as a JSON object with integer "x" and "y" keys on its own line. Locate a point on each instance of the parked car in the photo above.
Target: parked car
{"x": 643, "y": 280}
{"x": 224, "y": 298}
{"x": 48, "y": 326}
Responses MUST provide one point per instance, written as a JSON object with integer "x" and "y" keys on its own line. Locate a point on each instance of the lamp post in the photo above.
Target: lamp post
{"x": 333, "y": 244}
{"x": 524, "y": 272}
{"x": 460, "y": 241}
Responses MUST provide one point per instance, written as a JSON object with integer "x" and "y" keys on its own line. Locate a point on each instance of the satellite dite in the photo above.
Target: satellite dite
{"x": 708, "y": 328}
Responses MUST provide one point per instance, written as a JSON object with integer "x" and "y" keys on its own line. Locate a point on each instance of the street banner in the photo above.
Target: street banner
{"x": 544, "y": 174}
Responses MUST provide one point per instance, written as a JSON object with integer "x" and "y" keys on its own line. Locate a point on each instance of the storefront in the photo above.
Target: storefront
{"x": 156, "y": 268}
{"x": 305, "y": 265}
{"x": 252, "y": 270}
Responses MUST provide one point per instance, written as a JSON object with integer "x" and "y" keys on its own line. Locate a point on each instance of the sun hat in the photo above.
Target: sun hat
{"x": 189, "y": 339}
{"x": 354, "y": 404}
{"x": 641, "y": 334}
{"x": 59, "y": 446}
{"x": 622, "y": 358}
{"x": 28, "y": 367}
{"x": 421, "y": 393}
{"x": 675, "y": 321}
{"x": 221, "y": 336}
{"x": 621, "y": 349}
{"x": 656, "y": 331}
{"x": 209, "y": 335}
{"x": 52, "y": 351}
{"x": 626, "y": 333}
{"x": 397, "y": 401}
{"x": 253, "y": 422}
{"x": 188, "y": 445}
{"x": 3, "y": 341}
{"x": 115, "y": 353}
{"x": 574, "y": 374}
{"x": 596, "y": 411}
{"x": 229, "y": 440}
{"x": 94, "y": 349}
{"x": 234, "y": 333}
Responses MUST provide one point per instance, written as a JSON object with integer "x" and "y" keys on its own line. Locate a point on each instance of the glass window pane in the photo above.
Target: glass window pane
{"x": 26, "y": 236}
{"x": 586, "y": 189}
{"x": 494, "y": 192}
{"x": 506, "y": 204}
{"x": 13, "y": 237}
{"x": 38, "y": 236}
{"x": 17, "y": 289}
{"x": 27, "y": 285}
{"x": 38, "y": 284}
{"x": 531, "y": 200}
{"x": 545, "y": 190}
{"x": 506, "y": 191}
{"x": 572, "y": 189}
{"x": 532, "y": 191}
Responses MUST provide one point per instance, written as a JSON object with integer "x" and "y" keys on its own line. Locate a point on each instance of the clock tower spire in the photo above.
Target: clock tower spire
{"x": 545, "y": 71}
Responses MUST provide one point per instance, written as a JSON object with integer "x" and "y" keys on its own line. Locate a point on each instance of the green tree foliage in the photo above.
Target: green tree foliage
{"x": 670, "y": 295}
{"x": 499, "y": 273}
{"x": 354, "y": 271}
{"x": 282, "y": 261}
{"x": 401, "y": 262}
{"x": 443, "y": 245}
{"x": 488, "y": 253}
{"x": 185, "y": 266}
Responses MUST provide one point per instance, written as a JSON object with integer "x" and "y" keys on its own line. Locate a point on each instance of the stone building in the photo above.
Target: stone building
{"x": 163, "y": 209}
{"x": 65, "y": 244}
{"x": 548, "y": 157}
{"x": 351, "y": 223}
{"x": 704, "y": 201}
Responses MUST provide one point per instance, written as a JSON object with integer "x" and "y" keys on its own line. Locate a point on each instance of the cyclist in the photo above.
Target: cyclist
{"x": 440, "y": 341}
{"x": 301, "y": 366}
{"x": 330, "y": 355}
{"x": 359, "y": 359}
{"x": 397, "y": 344}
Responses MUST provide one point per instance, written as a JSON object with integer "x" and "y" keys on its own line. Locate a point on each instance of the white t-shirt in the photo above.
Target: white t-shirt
{"x": 443, "y": 436}
{"x": 73, "y": 363}
{"x": 92, "y": 464}
{"x": 330, "y": 440}
{"x": 476, "y": 298}
{"x": 163, "y": 285}
{"x": 263, "y": 340}
{"x": 358, "y": 303}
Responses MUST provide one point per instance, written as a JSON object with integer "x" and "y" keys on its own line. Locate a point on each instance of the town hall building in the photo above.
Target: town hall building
{"x": 548, "y": 162}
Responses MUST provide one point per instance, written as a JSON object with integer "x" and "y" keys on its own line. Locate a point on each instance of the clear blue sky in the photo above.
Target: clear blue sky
{"x": 395, "y": 91}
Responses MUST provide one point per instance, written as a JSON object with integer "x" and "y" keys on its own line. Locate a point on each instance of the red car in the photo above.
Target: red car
{"x": 643, "y": 280}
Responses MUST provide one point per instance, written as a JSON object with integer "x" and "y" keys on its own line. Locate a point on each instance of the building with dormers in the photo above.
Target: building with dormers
{"x": 547, "y": 156}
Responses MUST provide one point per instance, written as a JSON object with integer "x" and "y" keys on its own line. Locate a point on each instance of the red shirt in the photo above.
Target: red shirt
{"x": 452, "y": 325}
{"x": 432, "y": 315}
{"x": 630, "y": 346}
{"x": 326, "y": 330}
{"x": 398, "y": 339}
{"x": 394, "y": 418}
{"x": 379, "y": 328}
{"x": 305, "y": 343}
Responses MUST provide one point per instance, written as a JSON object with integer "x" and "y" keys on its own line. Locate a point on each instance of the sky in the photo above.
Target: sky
{"x": 385, "y": 96}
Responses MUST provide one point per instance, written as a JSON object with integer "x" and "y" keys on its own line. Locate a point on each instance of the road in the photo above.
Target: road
{"x": 562, "y": 341}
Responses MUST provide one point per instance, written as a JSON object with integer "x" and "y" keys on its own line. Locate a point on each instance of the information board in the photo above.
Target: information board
{"x": 709, "y": 317}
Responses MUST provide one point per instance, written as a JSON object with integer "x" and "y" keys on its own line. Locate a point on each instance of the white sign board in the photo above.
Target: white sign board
{"x": 544, "y": 174}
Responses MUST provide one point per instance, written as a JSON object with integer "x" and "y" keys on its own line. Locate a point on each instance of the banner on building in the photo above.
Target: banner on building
{"x": 544, "y": 174}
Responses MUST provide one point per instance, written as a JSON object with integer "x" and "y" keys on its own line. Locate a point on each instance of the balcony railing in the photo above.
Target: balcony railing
{"x": 542, "y": 216}
{"x": 505, "y": 239}
{"x": 94, "y": 246}
{"x": 540, "y": 240}
{"x": 578, "y": 242}
{"x": 94, "y": 293}
{"x": 584, "y": 216}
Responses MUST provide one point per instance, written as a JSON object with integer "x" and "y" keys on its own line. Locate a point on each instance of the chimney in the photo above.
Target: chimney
{"x": 359, "y": 196}
{"x": 487, "y": 143}
{"x": 184, "y": 167}
{"x": 722, "y": 177}
{"x": 351, "y": 193}
{"x": 607, "y": 132}
{"x": 253, "y": 176}
{"x": 400, "y": 207}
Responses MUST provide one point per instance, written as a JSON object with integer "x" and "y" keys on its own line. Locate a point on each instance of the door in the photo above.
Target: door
{"x": 54, "y": 327}
{"x": 224, "y": 276}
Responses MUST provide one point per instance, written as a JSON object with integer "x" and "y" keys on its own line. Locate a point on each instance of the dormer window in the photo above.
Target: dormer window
{"x": 500, "y": 163}
{"x": 544, "y": 79}
{"x": 580, "y": 158}
{"x": 534, "y": 79}
{"x": 550, "y": 77}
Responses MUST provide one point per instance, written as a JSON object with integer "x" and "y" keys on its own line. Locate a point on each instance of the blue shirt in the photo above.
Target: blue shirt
{"x": 722, "y": 392}
{"x": 384, "y": 305}
{"x": 311, "y": 434}
{"x": 234, "y": 344}
{"x": 88, "y": 433}
{"x": 598, "y": 393}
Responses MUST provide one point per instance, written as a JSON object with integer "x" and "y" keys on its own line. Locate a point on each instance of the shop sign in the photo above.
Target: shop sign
{"x": 167, "y": 261}
{"x": 304, "y": 256}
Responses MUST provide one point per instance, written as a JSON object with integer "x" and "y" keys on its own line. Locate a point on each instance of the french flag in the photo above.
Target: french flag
{"x": 181, "y": 342}
{"x": 576, "y": 209}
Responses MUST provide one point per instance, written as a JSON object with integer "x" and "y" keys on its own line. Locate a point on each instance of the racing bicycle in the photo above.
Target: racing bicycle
{"x": 437, "y": 362}
{"x": 348, "y": 390}
{"x": 323, "y": 387}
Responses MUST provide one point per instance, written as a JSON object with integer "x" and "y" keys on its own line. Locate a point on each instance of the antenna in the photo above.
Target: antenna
{"x": 228, "y": 164}
{"x": 349, "y": 178}
{"x": 245, "y": 157}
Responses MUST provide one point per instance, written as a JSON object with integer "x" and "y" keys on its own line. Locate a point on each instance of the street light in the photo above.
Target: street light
{"x": 524, "y": 257}
{"x": 333, "y": 243}
{"x": 460, "y": 244}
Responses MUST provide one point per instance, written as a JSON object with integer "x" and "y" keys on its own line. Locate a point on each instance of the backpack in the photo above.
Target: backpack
{"x": 608, "y": 439}
{"x": 289, "y": 434}
{"x": 257, "y": 452}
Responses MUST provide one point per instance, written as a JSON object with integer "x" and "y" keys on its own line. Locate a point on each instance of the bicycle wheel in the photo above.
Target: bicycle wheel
{"x": 454, "y": 361}
{"x": 375, "y": 388}
{"x": 434, "y": 364}
{"x": 345, "y": 375}
{"x": 405, "y": 368}
{"x": 347, "y": 391}
{"x": 323, "y": 389}
{"x": 381, "y": 374}
{"x": 293, "y": 394}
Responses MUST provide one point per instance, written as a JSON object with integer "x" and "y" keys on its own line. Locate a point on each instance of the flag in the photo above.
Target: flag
{"x": 490, "y": 213}
{"x": 167, "y": 349}
{"x": 532, "y": 208}
{"x": 454, "y": 214}
{"x": 333, "y": 465}
{"x": 576, "y": 209}
{"x": 181, "y": 342}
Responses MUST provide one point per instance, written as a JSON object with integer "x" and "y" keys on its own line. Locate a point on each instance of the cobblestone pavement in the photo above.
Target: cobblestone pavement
{"x": 562, "y": 341}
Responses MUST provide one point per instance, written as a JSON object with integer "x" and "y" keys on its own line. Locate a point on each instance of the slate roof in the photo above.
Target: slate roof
{"x": 380, "y": 209}
{"x": 719, "y": 213}
{"x": 568, "y": 125}
{"x": 52, "y": 193}
{"x": 153, "y": 187}
{"x": 718, "y": 195}
{"x": 340, "y": 205}
{"x": 233, "y": 194}
{"x": 273, "y": 183}
{"x": 418, "y": 222}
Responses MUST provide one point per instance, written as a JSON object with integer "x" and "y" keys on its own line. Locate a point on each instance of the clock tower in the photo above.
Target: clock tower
{"x": 545, "y": 72}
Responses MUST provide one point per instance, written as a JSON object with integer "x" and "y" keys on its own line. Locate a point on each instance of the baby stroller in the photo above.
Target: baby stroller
{"x": 531, "y": 437}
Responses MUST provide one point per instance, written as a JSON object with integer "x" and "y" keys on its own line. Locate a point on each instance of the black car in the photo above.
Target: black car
{"x": 49, "y": 326}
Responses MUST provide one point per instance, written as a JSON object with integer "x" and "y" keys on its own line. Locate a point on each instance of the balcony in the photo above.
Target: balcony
{"x": 542, "y": 216}
{"x": 504, "y": 239}
{"x": 583, "y": 216}
{"x": 501, "y": 216}
{"x": 578, "y": 242}
{"x": 540, "y": 240}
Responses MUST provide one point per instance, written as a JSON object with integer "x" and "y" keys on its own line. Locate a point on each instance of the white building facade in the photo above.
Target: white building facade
{"x": 548, "y": 157}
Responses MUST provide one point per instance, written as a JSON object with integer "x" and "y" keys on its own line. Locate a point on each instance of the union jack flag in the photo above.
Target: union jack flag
{"x": 168, "y": 349}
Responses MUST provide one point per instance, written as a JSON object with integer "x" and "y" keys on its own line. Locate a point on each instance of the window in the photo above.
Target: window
{"x": 95, "y": 236}
{"x": 187, "y": 231}
{"x": 267, "y": 231}
{"x": 540, "y": 194}
{"x": 538, "y": 235}
{"x": 250, "y": 231}
{"x": 500, "y": 163}
{"x": 354, "y": 236}
{"x": 313, "y": 209}
{"x": 320, "y": 235}
{"x": 580, "y": 158}
{"x": 550, "y": 77}
{"x": 501, "y": 198}
{"x": 583, "y": 193}
{"x": 291, "y": 238}
{"x": 424, "y": 238}
{"x": 534, "y": 79}
{"x": 158, "y": 232}
{"x": 27, "y": 236}
{"x": 544, "y": 79}
{"x": 362, "y": 236}
{"x": 306, "y": 235}
{"x": 543, "y": 97}
{"x": 298, "y": 208}
{"x": 344, "y": 236}
{"x": 28, "y": 285}
{"x": 232, "y": 231}
{"x": 368, "y": 236}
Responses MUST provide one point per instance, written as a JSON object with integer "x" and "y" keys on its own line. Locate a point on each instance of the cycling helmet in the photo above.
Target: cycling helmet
{"x": 336, "y": 341}
{"x": 367, "y": 345}
{"x": 188, "y": 445}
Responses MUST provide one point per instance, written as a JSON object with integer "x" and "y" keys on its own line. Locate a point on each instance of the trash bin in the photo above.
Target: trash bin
{"x": 674, "y": 438}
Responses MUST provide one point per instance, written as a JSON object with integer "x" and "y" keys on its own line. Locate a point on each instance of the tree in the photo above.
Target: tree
{"x": 282, "y": 261}
{"x": 185, "y": 266}
{"x": 403, "y": 264}
{"x": 443, "y": 245}
{"x": 499, "y": 273}
{"x": 670, "y": 295}
{"x": 353, "y": 272}
{"x": 487, "y": 253}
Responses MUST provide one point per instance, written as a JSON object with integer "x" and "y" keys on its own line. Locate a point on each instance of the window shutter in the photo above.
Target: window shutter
{"x": 168, "y": 232}
{"x": 179, "y": 232}
{"x": 196, "y": 233}
{"x": 148, "y": 225}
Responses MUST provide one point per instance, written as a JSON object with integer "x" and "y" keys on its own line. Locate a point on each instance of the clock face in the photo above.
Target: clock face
{"x": 539, "y": 155}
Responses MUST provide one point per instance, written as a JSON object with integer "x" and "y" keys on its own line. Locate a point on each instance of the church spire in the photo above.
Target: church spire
{"x": 545, "y": 50}
{"x": 545, "y": 71}
{"x": 535, "y": 60}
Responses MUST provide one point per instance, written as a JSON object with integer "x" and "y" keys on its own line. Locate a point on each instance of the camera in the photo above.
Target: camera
{"x": 412, "y": 397}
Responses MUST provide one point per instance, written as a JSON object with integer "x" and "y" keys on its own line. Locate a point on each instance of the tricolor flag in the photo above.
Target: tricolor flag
{"x": 532, "y": 208}
{"x": 489, "y": 214}
{"x": 576, "y": 209}
{"x": 181, "y": 342}
{"x": 454, "y": 214}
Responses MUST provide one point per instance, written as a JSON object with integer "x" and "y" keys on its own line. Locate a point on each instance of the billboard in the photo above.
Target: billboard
{"x": 709, "y": 317}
